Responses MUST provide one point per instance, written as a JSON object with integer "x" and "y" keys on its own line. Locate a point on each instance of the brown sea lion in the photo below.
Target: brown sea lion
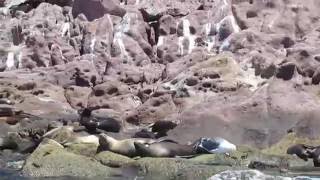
{"x": 301, "y": 150}
{"x": 125, "y": 147}
{"x": 166, "y": 148}
{"x": 94, "y": 123}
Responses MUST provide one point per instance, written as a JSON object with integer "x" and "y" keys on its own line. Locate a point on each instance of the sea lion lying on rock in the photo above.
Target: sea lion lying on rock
{"x": 164, "y": 148}
{"x": 66, "y": 136}
{"x": 169, "y": 148}
{"x": 125, "y": 147}
{"x": 94, "y": 123}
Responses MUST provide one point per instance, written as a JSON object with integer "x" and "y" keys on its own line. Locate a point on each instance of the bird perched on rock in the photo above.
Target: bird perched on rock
{"x": 93, "y": 123}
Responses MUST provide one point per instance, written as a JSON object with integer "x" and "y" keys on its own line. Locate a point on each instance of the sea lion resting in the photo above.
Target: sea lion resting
{"x": 124, "y": 147}
{"x": 163, "y": 148}
{"x": 169, "y": 148}
{"x": 94, "y": 123}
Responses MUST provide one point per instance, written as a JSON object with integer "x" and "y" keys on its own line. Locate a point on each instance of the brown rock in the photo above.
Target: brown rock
{"x": 94, "y": 9}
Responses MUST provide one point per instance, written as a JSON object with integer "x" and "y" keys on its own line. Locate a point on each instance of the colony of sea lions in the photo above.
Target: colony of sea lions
{"x": 148, "y": 142}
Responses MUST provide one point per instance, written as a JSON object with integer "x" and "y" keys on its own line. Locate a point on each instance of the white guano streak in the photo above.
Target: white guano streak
{"x": 65, "y": 29}
{"x": 10, "y": 60}
{"x": 186, "y": 35}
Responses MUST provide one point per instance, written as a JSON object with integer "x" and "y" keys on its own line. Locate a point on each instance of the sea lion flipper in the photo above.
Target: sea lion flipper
{"x": 168, "y": 140}
{"x": 187, "y": 156}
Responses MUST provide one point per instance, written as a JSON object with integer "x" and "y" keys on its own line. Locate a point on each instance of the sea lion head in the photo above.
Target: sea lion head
{"x": 85, "y": 112}
{"x": 106, "y": 141}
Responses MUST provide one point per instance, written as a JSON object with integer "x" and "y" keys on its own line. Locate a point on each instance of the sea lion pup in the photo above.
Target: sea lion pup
{"x": 301, "y": 150}
{"x": 94, "y": 123}
{"x": 165, "y": 148}
{"x": 125, "y": 147}
{"x": 162, "y": 127}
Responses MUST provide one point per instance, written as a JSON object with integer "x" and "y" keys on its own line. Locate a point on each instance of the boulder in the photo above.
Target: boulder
{"x": 94, "y": 9}
{"x": 111, "y": 159}
{"x": 51, "y": 160}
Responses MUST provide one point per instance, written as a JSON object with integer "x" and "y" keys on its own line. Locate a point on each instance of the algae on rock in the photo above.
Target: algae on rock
{"x": 50, "y": 159}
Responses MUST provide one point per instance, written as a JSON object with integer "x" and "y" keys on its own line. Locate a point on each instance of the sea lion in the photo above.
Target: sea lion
{"x": 6, "y": 101}
{"x": 66, "y": 136}
{"x": 144, "y": 134}
{"x": 164, "y": 148}
{"x": 125, "y": 147}
{"x": 162, "y": 127}
{"x": 155, "y": 130}
{"x": 94, "y": 123}
{"x": 301, "y": 150}
{"x": 169, "y": 148}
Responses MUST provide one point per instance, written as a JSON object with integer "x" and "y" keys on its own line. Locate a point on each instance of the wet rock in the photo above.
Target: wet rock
{"x": 17, "y": 165}
{"x": 50, "y": 159}
{"x": 176, "y": 168}
{"x": 247, "y": 174}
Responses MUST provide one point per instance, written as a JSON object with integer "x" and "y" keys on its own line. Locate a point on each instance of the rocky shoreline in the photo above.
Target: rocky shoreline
{"x": 244, "y": 70}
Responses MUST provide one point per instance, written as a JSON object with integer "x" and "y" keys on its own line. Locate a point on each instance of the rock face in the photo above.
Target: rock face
{"x": 245, "y": 70}
{"x": 95, "y": 9}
